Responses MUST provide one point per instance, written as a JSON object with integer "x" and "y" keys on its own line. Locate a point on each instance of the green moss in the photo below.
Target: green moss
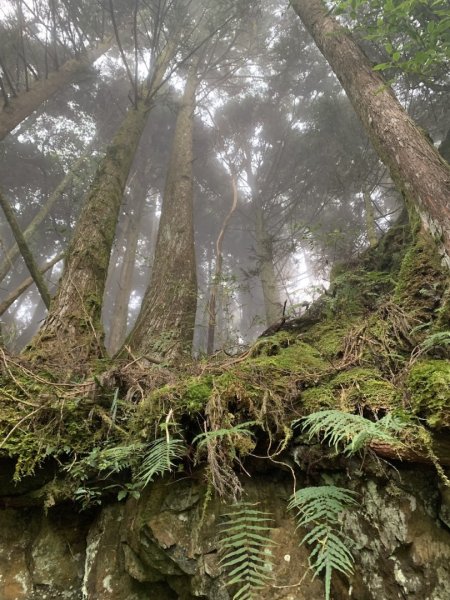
{"x": 388, "y": 254}
{"x": 422, "y": 279}
{"x": 357, "y": 291}
{"x": 188, "y": 396}
{"x": 318, "y": 398}
{"x": 364, "y": 387}
{"x": 428, "y": 386}
{"x": 443, "y": 312}
{"x": 355, "y": 388}
{"x": 198, "y": 392}
{"x": 328, "y": 337}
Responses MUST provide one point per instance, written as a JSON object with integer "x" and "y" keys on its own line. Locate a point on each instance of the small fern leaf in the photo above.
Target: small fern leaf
{"x": 353, "y": 432}
{"x": 320, "y": 508}
{"x": 159, "y": 458}
{"x": 245, "y": 541}
{"x": 241, "y": 429}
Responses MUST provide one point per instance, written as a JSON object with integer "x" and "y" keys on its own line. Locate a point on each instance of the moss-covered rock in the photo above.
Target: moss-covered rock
{"x": 422, "y": 279}
{"x": 428, "y": 387}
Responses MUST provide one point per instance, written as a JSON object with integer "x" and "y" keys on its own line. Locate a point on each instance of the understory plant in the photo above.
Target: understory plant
{"x": 349, "y": 433}
{"x": 245, "y": 543}
{"x": 320, "y": 509}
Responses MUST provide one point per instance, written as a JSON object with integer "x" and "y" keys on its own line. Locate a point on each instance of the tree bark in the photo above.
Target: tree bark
{"x": 26, "y": 102}
{"x": 165, "y": 324}
{"x": 73, "y": 325}
{"x": 416, "y": 168}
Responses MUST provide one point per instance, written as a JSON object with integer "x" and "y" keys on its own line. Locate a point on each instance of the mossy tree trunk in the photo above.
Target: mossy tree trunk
{"x": 417, "y": 169}
{"x": 73, "y": 326}
{"x": 165, "y": 325}
{"x": 25, "y": 103}
{"x": 72, "y": 331}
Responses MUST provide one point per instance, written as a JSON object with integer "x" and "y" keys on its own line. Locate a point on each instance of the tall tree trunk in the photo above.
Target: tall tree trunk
{"x": 26, "y": 102}
{"x": 73, "y": 326}
{"x": 73, "y": 332}
{"x": 417, "y": 169}
{"x": 264, "y": 249}
{"x": 119, "y": 316}
{"x": 264, "y": 252}
{"x": 165, "y": 324}
{"x": 217, "y": 275}
{"x": 369, "y": 215}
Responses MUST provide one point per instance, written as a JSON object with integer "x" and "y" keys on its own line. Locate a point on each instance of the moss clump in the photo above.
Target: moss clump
{"x": 355, "y": 388}
{"x": 329, "y": 337}
{"x": 358, "y": 291}
{"x": 422, "y": 279}
{"x": 320, "y": 397}
{"x": 198, "y": 392}
{"x": 428, "y": 387}
{"x": 388, "y": 254}
{"x": 364, "y": 387}
{"x": 188, "y": 396}
{"x": 265, "y": 386}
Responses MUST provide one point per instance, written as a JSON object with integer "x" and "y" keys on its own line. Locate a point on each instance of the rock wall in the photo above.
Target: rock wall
{"x": 164, "y": 546}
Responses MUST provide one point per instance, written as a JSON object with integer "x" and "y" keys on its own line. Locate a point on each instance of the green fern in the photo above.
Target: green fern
{"x": 351, "y": 431}
{"x": 108, "y": 460}
{"x": 159, "y": 458}
{"x": 240, "y": 429}
{"x": 246, "y": 545}
{"x": 439, "y": 340}
{"x": 321, "y": 508}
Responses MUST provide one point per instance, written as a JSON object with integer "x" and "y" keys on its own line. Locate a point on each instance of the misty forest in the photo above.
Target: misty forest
{"x": 224, "y": 299}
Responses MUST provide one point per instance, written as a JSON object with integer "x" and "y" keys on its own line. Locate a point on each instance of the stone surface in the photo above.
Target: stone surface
{"x": 165, "y": 546}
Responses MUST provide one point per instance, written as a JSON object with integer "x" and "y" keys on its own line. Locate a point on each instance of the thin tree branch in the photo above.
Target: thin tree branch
{"x": 20, "y": 289}
{"x": 122, "y": 53}
{"x": 25, "y": 251}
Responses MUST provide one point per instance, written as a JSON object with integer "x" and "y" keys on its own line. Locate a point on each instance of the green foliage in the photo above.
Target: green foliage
{"x": 159, "y": 458}
{"x": 414, "y": 34}
{"x": 241, "y": 429}
{"x": 321, "y": 508}
{"x": 353, "y": 432}
{"x": 144, "y": 461}
{"x": 110, "y": 460}
{"x": 428, "y": 387}
{"x": 245, "y": 542}
{"x": 439, "y": 340}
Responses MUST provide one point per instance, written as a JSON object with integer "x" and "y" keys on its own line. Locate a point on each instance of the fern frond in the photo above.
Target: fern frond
{"x": 245, "y": 541}
{"x": 338, "y": 429}
{"x": 241, "y": 429}
{"x": 159, "y": 458}
{"x": 321, "y": 507}
{"x": 111, "y": 460}
{"x": 439, "y": 340}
